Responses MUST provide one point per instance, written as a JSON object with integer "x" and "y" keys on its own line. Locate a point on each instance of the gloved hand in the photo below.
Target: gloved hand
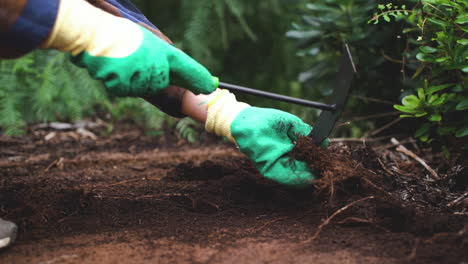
{"x": 266, "y": 136}
{"x": 127, "y": 57}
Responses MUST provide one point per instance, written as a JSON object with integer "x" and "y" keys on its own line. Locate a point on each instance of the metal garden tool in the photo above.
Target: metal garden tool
{"x": 331, "y": 112}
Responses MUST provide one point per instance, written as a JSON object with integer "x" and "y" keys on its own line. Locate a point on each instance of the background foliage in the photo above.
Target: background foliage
{"x": 286, "y": 46}
{"x": 438, "y": 39}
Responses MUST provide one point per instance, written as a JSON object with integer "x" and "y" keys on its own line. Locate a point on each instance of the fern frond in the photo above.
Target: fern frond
{"x": 186, "y": 128}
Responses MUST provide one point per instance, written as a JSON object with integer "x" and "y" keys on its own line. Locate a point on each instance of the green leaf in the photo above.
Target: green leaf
{"x": 411, "y": 101}
{"x": 421, "y": 94}
{"x": 465, "y": 69}
{"x": 438, "y": 22}
{"x": 406, "y": 109}
{"x": 321, "y": 7}
{"x": 381, "y": 7}
{"x": 462, "y": 19}
{"x": 408, "y": 30}
{"x": 427, "y": 49}
{"x": 439, "y": 60}
{"x": 439, "y": 101}
{"x": 426, "y": 57}
{"x": 432, "y": 98}
{"x": 463, "y": 42}
{"x": 462, "y": 132}
{"x": 299, "y": 34}
{"x": 464, "y": 28}
{"x": 403, "y": 116}
{"x": 463, "y": 105}
{"x": 424, "y": 138}
{"x": 423, "y": 130}
{"x": 421, "y": 114}
{"x": 386, "y": 18}
{"x": 435, "y": 118}
{"x": 433, "y": 89}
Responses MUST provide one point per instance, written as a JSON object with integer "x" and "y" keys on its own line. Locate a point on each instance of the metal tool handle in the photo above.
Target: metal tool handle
{"x": 279, "y": 97}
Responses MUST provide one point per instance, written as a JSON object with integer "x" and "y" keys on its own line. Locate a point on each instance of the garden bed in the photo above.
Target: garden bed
{"x": 128, "y": 198}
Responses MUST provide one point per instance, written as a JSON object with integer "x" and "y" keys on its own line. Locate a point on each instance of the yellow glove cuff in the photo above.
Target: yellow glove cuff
{"x": 82, "y": 27}
{"x": 222, "y": 110}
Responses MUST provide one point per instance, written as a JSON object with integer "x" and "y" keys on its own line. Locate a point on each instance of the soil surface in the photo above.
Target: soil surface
{"x": 127, "y": 198}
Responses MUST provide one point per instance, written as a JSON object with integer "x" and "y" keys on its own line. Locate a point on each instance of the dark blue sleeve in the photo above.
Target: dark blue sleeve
{"x": 28, "y": 28}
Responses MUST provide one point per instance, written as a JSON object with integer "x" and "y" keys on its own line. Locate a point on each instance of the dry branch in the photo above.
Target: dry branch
{"x": 411, "y": 154}
{"x": 385, "y": 168}
{"x": 458, "y": 200}
{"x": 387, "y": 126}
{"x": 358, "y": 139}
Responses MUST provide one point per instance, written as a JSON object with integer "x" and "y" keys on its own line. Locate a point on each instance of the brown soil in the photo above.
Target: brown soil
{"x": 133, "y": 199}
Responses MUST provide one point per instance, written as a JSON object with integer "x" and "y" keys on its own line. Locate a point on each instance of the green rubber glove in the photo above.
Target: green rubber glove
{"x": 148, "y": 70}
{"x": 128, "y": 58}
{"x": 266, "y": 136}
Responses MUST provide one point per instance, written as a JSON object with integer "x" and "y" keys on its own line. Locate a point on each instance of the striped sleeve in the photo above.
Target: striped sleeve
{"x": 126, "y": 9}
{"x": 25, "y": 24}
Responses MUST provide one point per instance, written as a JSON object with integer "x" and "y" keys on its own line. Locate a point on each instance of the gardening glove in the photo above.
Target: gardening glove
{"x": 130, "y": 60}
{"x": 266, "y": 136}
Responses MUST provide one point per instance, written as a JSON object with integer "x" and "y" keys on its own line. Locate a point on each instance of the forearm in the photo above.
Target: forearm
{"x": 196, "y": 106}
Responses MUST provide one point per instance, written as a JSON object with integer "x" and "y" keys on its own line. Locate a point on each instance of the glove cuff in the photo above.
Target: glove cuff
{"x": 81, "y": 27}
{"x": 222, "y": 110}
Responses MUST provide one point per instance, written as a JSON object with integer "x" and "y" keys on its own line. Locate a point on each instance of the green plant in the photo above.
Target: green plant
{"x": 320, "y": 34}
{"x": 44, "y": 86}
{"x": 187, "y": 129}
{"x": 389, "y": 10}
{"x": 142, "y": 113}
{"x": 437, "y": 35}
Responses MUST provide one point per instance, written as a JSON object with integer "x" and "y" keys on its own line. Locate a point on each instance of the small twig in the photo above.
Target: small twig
{"x": 400, "y": 172}
{"x": 358, "y": 139}
{"x": 411, "y": 154}
{"x": 458, "y": 200}
{"x": 461, "y": 213}
{"x": 328, "y": 220}
{"x": 370, "y": 99}
{"x": 388, "y": 146}
{"x": 57, "y": 163}
{"x": 355, "y": 220}
{"x": 150, "y": 196}
{"x": 269, "y": 223}
{"x": 368, "y": 117}
{"x": 387, "y": 126}
{"x": 385, "y": 168}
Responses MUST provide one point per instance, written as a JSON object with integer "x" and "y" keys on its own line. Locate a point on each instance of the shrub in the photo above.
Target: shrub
{"x": 438, "y": 43}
